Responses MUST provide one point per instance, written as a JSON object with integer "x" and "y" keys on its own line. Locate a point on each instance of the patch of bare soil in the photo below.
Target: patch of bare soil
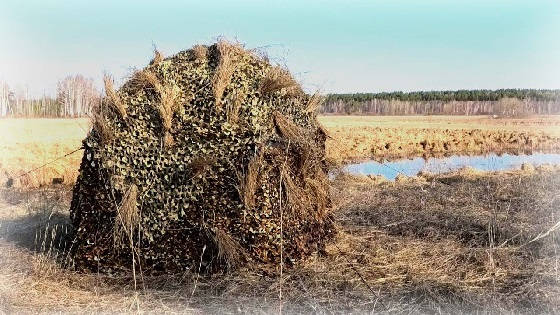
{"x": 459, "y": 242}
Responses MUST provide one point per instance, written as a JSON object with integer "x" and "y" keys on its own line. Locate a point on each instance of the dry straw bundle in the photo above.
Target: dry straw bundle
{"x": 193, "y": 164}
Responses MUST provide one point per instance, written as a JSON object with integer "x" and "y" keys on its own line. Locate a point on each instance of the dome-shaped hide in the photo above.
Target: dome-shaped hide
{"x": 211, "y": 157}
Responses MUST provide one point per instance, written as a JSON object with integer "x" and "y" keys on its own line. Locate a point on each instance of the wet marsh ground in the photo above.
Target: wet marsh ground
{"x": 470, "y": 241}
{"x": 393, "y": 137}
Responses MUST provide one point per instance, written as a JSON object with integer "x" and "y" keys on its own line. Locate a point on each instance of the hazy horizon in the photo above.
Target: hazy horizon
{"x": 338, "y": 47}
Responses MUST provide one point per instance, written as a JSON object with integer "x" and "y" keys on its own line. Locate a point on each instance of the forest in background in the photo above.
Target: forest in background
{"x": 77, "y": 95}
{"x": 503, "y": 102}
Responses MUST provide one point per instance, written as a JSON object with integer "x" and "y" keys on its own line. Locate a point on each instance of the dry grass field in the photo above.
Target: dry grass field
{"x": 464, "y": 241}
{"x": 30, "y": 143}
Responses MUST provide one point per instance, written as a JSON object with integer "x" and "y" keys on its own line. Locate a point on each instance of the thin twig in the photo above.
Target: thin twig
{"x": 50, "y": 162}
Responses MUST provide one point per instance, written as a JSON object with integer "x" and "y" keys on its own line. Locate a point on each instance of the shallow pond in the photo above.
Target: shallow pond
{"x": 489, "y": 162}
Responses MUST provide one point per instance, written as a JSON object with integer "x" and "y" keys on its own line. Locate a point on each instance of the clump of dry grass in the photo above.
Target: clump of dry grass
{"x": 167, "y": 107}
{"x": 101, "y": 125}
{"x": 277, "y": 79}
{"x": 287, "y": 128}
{"x": 225, "y": 69}
{"x": 248, "y": 182}
{"x": 127, "y": 217}
{"x": 114, "y": 98}
{"x": 149, "y": 78}
{"x": 158, "y": 57}
{"x": 314, "y": 102}
{"x": 229, "y": 250}
{"x": 296, "y": 197}
{"x": 321, "y": 196}
{"x": 168, "y": 101}
{"x": 304, "y": 197}
{"x": 200, "y": 52}
{"x": 298, "y": 140}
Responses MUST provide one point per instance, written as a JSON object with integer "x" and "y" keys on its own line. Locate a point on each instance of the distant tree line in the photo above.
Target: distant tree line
{"x": 75, "y": 97}
{"x": 461, "y": 102}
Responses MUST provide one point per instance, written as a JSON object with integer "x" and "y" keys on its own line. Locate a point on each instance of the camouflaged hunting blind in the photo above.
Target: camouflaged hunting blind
{"x": 212, "y": 158}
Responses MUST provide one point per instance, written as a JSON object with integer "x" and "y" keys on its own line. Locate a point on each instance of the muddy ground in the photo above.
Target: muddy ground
{"x": 464, "y": 241}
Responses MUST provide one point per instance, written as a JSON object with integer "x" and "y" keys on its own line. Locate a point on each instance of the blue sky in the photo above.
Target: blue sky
{"x": 335, "y": 46}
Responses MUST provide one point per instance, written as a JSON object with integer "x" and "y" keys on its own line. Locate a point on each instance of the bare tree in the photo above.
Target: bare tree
{"x": 77, "y": 95}
{"x": 509, "y": 107}
{"x": 4, "y": 99}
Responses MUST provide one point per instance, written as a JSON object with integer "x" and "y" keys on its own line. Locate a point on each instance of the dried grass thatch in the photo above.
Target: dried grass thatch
{"x": 320, "y": 194}
{"x": 225, "y": 69}
{"x": 127, "y": 218}
{"x": 277, "y": 79}
{"x": 158, "y": 57}
{"x": 234, "y": 108}
{"x": 168, "y": 105}
{"x": 296, "y": 197}
{"x": 168, "y": 101}
{"x": 114, "y": 98}
{"x": 249, "y": 181}
{"x": 229, "y": 252}
{"x": 101, "y": 126}
{"x": 314, "y": 102}
{"x": 149, "y": 78}
{"x": 200, "y": 52}
{"x": 288, "y": 130}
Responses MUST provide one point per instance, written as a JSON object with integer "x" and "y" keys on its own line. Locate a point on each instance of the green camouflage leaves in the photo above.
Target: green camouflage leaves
{"x": 190, "y": 190}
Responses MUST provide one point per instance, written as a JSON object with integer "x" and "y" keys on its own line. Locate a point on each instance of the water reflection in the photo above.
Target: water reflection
{"x": 489, "y": 162}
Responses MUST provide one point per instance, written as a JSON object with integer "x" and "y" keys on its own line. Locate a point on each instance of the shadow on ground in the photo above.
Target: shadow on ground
{"x": 36, "y": 220}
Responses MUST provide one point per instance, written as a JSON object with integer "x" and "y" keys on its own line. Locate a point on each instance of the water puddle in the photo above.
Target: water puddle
{"x": 489, "y": 162}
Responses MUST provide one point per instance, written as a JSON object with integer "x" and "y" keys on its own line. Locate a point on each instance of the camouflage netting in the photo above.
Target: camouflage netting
{"x": 211, "y": 158}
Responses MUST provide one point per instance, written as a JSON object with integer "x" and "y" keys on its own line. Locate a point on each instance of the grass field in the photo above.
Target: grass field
{"x": 464, "y": 241}
{"x": 29, "y": 143}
